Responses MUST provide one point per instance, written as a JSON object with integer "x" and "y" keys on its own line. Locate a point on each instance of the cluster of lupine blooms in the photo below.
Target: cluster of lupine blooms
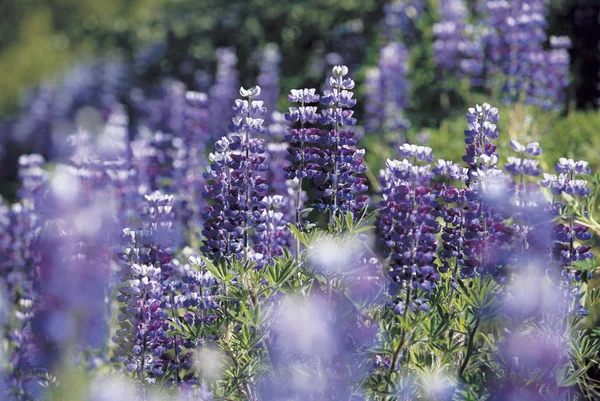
{"x": 162, "y": 212}
{"x": 386, "y": 85}
{"x": 506, "y": 44}
{"x": 110, "y": 257}
{"x": 468, "y": 206}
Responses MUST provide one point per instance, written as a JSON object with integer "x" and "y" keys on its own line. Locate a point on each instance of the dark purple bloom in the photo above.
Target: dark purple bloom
{"x": 388, "y": 91}
{"x": 236, "y": 188}
{"x": 565, "y": 250}
{"x": 336, "y": 164}
{"x": 222, "y": 92}
{"x": 268, "y": 79}
{"x": 408, "y": 225}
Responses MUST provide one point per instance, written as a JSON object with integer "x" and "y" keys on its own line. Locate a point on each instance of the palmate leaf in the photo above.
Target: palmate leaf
{"x": 282, "y": 270}
{"x": 218, "y": 269}
{"x": 347, "y": 222}
{"x": 306, "y": 236}
{"x": 247, "y": 339}
{"x": 480, "y": 294}
{"x": 584, "y": 347}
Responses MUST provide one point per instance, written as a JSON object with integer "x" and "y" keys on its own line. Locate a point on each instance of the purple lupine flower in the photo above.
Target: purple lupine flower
{"x": 113, "y": 160}
{"x": 472, "y": 49}
{"x": 160, "y": 163}
{"x": 148, "y": 279}
{"x": 161, "y": 107}
{"x": 450, "y": 35}
{"x": 284, "y": 189}
{"x": 348, "y": 40}
{"x": 530, "y": 223}
{"x": 515, "y": 49}
{"x": 277, "y": 176}
{"x": 24, "y": 223}
{"x": 565, "y": 232}
{"x": 161, "y": 160}
{"x": 300, "y": 151}
{"x": 20, "y": 224}
{"x": 373, "y": 108}
{"x": 268, "y": 78}
{"x": 486, "y": 236}
{"x": 452, "y": 202}
{"x": 517, "y": 34}
{"x": 279, "y": 125}
{"x": 458, "y": 46}
{"x": 338, "y": 186}
{"x": 565, "y": 181}
{"x": 521, "y": 166}
{"x": 550, "y": 80}
{"x": 196, "y": 132}
{"x": 557, "y": 70}
{"x": 237, "y": 189}
{"x": 400, "y": 18}
{"x": 75, "y": 260}
{"x": 173, "y": 97}
{"x": 482, "y": 128}
{"x": 222, "y": 93}
{"x": 408, "y": 226}
{"x": 32, "y": 177}
{"x": 271, "y": 238}
{"x": 556, "y": 242}
{"x": 388, "y": 90}
{"x": 222, "y": 225}
{"x": 200, "y": 290}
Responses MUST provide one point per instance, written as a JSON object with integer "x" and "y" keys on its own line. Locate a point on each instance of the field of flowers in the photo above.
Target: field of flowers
{"x": 350, "y": 240}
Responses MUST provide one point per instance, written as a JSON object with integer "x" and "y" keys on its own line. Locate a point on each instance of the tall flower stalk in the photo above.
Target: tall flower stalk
{"x": 299, "y": 151}
{"x": 238, "y": 189}
{"x": 339, "y": 188}
{"x": 566, "y": 233}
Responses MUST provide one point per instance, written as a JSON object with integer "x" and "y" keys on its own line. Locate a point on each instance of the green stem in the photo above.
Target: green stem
{"x": 470, "y": 343}
{"x": 334, "y": 183}
{"x": 247, "y": 189}
{"x": 175, "y": 339}
{"x": 299, "y": 192}
{"x": 401, "y": 344}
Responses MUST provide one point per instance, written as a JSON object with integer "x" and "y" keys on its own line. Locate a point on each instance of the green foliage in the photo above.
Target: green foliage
{"x": 52, "y": 35}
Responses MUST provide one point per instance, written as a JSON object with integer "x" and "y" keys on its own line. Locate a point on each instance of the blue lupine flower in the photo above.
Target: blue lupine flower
{"x": 450, "y": 35}
{"x": 400, "y": 19}
{"x": 338, "y": 163}
{"x": 237, "y": 189}
{"x": 564, "y": 250}
{"x": 222, "y": 92}
{"x": 482, "y": 128}
{"x": 408, "y": 225}
{"x": 486, "y": 237}
{"x": 387, "y": 91}
{"x": 452, "y": 202}
{"x": 268, "y": 78}
{"x": 151, "y": 288}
